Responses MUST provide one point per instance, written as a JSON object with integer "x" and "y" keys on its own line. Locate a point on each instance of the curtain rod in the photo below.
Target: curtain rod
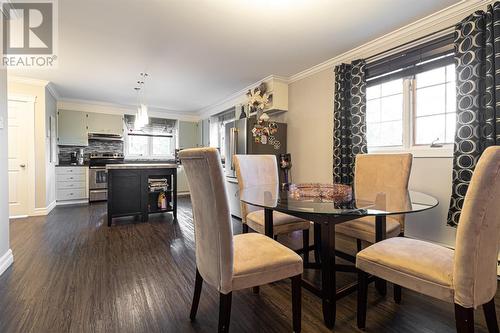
{"x": 407, "y": 43}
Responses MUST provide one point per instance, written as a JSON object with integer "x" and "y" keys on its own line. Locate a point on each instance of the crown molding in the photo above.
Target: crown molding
{"x": 27, "y": 80}
{"x": 112, "y": 108}
{"x": 35, "y": 82}
{"x": 52, "y": 89}
{"x": 431, "y": 23}
{"x": 235, "y": 98}
{"x": 436, "y": 21}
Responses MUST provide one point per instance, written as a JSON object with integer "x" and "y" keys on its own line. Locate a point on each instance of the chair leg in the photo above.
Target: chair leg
{"x": 305, "y": 246}
{"x": 224, "y": 312}
{"x": 381, "y": 286}
{"x": 362, "y": 298}
{"x": 275, "y": 237}
{"x": 491, "y": 316}
{"x": 397, "y": 294}
{"x": 297, "y": 303}
{"x": 464, "y": 319}
{"x": 317, "y": 243}
{"x": 198, "y": 283}
{"x": 256, "y": 289}
{"x": 244, "y": 228}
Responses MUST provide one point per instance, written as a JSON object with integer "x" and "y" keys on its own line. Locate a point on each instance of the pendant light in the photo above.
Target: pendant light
{"x": 141, "y": 117}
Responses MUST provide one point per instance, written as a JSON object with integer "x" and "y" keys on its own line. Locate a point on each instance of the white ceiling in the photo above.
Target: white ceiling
{"x": 199, "y": 52}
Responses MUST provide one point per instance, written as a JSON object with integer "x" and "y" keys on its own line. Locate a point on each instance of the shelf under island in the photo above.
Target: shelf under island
{"x": 141, "y": 189}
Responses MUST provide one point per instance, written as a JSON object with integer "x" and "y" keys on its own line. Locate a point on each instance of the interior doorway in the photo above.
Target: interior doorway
{"x": 21, "y": 155}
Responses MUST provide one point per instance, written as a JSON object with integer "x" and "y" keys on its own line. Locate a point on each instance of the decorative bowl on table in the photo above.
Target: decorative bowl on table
{"x": 326, "y": 192}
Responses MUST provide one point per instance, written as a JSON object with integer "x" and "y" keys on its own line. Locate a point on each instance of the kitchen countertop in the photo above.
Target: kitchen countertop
{"x": 141, "y": 166}
{"x": 71, "y": 165}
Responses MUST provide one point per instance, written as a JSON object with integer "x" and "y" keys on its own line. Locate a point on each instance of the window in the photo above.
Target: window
{"x": 156, "y": 140}
{"x": 150, "y": 146}
{"x": 384, "y": 114}
{"x": 218, "y": 129}
{"x": 435, "y": 111}
{"x": 138, "y": 145}
{"x": 410, "y": 97}
{"x": 412, "y": 111}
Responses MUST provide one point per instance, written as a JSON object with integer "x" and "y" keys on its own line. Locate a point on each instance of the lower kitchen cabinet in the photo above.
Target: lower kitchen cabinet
{"x": 71, "y": 184}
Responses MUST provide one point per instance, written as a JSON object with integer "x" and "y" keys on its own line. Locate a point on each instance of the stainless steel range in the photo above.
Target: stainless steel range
{"x": 98, "y": 176}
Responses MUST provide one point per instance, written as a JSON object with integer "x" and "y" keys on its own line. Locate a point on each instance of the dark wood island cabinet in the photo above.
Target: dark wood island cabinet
{"x": 135, "y": 190}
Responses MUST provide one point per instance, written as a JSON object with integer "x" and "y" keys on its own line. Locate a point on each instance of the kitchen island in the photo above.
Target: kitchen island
{"x": 140, "y": 189}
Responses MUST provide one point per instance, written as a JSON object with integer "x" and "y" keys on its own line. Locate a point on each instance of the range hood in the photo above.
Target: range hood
{"x": 105, "y": 137}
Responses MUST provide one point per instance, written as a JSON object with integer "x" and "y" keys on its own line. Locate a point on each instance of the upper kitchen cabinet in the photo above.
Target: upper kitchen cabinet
{"x": 100, "y": 123}
{"x": 189, "y": 135}
{"x": 278, "y": 100}
{"x": 72, "y": 128}
{"x": 204, "y": 125}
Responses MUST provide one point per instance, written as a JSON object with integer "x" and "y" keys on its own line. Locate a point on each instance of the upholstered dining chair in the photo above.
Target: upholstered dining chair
{"x": 254, "y": 170}
{"x": 226, "y": 262}
{"x": 467, "y": 276}
{"x": 373, "y": 174}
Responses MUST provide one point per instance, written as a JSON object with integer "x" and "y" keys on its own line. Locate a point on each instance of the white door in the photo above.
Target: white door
{"x": 20, "y": 118}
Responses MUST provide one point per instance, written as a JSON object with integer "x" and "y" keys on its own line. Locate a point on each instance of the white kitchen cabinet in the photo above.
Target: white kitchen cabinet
{"x": 182, "y": 184}
{"x": 72, "y": 128}
{"x": 189, "y": 135}
{"x": 100, "y": 123}
{"x": 205, "y": 132}
{"x": 71, "y": 184}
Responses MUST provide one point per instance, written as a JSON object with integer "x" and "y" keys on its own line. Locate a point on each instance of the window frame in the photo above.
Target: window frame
{"x": 409, "y": 128}
{"x": 150, "y": 155}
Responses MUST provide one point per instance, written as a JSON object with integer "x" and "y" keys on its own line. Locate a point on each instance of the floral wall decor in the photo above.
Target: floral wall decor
{"x": 264, "y": 130}
{"x": 258, "y": 99}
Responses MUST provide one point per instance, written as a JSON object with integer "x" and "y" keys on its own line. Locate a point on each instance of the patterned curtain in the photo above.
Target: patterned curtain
{"x": 349, "y": 119}
{"x": 477, "y": 59}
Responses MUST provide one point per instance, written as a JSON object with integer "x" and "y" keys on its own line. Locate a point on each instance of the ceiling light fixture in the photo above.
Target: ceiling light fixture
{"x": 141, "y": 117}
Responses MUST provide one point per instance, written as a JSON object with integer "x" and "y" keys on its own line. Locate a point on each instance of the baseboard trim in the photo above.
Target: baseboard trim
{"x": 44, "y": 210}
{"x": 51, "y": 206}
{"x": 17, "y": 217}
{"x": 6, "y": 260}
{"x": 72, "y": 202}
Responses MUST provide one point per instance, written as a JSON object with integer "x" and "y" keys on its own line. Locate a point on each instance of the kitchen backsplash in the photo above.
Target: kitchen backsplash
{"x": 95, "y": 146}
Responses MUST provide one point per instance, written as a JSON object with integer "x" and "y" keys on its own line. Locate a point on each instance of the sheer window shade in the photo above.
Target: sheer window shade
{"x": 155, "y": 127}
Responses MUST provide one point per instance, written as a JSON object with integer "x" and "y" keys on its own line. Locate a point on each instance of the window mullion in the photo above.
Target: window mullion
{"x": 407, "y": 112}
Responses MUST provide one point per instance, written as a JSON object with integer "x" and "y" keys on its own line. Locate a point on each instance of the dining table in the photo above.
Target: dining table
{"x": 326, "y": 212}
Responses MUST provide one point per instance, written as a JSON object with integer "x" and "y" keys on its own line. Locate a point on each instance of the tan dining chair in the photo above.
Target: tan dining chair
{"x": 375, "y": 175}
{"x": 467, "y": 276}
{"x": 226, "y": 262}
{"x": 255, "y": 170}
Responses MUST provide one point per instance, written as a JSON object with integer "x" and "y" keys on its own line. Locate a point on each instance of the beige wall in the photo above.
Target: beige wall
{"x": 50, "y": 167}
{"x": 4, "y": 193}
{"x": 40, "y": 166}
{"x": 310, "y": 127}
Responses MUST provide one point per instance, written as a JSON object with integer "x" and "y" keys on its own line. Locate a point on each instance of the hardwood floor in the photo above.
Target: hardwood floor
{"x": 72, "y": 273}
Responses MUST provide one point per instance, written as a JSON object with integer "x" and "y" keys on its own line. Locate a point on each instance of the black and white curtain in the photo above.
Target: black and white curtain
{"x": 349, "y": 119}
{"x": 477, "y": 59}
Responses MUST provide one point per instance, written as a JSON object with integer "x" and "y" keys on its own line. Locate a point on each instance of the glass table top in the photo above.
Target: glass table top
{"x": 392, "y": 202}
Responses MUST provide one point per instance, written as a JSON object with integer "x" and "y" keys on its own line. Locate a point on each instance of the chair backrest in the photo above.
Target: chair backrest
{"x": 212, "y": 220}
{"x": 478, "y": 234}
{"x": 254, "y": 170}
{"x": 383, "y": 173}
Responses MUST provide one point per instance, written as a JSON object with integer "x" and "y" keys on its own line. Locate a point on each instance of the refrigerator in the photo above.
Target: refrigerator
{"x": 239, "y": 140}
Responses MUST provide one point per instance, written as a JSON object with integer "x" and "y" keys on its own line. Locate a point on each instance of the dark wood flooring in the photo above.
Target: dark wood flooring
{"x": 72, "y": 273}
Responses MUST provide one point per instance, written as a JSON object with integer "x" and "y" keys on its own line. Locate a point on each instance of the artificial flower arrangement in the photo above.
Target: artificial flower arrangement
{"x": 258, "y": 98}
{"x": 264, "y": 130}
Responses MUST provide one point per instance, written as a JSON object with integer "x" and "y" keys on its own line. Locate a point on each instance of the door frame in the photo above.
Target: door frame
{"x": 30, "y": 100}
